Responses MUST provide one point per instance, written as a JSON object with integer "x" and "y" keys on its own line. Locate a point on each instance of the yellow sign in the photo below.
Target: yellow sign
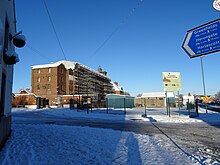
{"x": 171, "y": 81}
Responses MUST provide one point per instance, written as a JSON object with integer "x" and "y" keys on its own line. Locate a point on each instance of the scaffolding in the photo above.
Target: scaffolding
{"x": 91, "y": 84}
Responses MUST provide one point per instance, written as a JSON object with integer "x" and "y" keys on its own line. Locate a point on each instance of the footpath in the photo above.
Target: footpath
{"x": 181, "y": 116}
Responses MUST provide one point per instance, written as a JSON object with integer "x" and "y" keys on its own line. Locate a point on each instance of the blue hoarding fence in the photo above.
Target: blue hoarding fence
{"x": 119, "y": 101}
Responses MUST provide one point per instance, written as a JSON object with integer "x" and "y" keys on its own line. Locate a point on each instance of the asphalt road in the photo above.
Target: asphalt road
{"x": 190, "y": 138}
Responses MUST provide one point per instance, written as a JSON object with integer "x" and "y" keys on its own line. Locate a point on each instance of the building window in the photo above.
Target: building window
{"x": 38, "y": 87}
{"x": 62, "y": 87}
{"x": 49, "y": 78}
{"x": 61, "y": 79}
{"x": 38, "y": 71}
{"x": 62, "y": 70}
{"x": 49, "y": 70}
{"x": 38, "y": 79}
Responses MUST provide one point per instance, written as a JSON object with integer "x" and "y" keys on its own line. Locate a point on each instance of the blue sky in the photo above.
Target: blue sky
{"x": 145, "y": 45}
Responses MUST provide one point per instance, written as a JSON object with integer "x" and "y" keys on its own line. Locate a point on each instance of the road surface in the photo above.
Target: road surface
{"x": 190, "y": 138}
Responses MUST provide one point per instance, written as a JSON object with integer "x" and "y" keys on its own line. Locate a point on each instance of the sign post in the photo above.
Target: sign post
{"x": 202, "y": 40}
{"x": 179, "y": 100}
{"x": 166, "y": 103}
{"x": 203, "y": 82}
{"x": 171, "y": 82}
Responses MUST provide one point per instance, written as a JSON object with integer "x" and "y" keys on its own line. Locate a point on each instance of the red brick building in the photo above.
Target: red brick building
{"x": 53, "y": 81}
{"x": 23, "y": 98}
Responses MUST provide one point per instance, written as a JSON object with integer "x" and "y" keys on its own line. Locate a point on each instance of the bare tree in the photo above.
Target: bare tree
{"x": 139, "y": 95}
{"x": 217, "y": 96}
{"x": 19, "y": 101}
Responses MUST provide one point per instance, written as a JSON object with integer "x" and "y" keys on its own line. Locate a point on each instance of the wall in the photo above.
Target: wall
{"x": 151, "y": 102}
{"x": 6, "y": 15}
{"x": 45, "y": 88}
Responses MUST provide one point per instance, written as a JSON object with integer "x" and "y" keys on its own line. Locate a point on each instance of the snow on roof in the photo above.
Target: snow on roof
{"x": 188, "y": 97}
{"x": 117, "y": 95}
{"x": 116, "y": 88}
{"x": 68, "y": 65}
{"x": 158, "y": 94}
{"x": 26, "y": 94}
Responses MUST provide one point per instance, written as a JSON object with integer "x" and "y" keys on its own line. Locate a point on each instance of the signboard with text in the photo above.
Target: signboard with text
{"x": 203, "y": 40}
{"x": 171, "y": 81}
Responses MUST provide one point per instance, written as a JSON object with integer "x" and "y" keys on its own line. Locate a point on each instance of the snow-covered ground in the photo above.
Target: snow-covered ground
{"x": 45, "y": 144}
{"x": 153, "y": 115}
{"x": 210, "y": 117}
{"x": 61, "y": 145}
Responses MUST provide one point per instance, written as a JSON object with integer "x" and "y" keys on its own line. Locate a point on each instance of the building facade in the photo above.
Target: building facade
{"x": 153, "y": 99}
{"x": 54, "y": 81}
{"x": 24, "y": 99}
{"x": 8, "y": 57}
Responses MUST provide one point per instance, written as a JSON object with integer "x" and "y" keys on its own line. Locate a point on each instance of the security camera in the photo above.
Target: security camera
{"x": 19, "y": 41}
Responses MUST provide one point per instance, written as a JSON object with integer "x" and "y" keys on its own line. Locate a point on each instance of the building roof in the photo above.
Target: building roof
{"x": 118, "y": 96}
{"x": 68, "y": 65}
{"x": 188, "y": 97}
{"x": 157, "y": 94}
{"x": 24, "y": 93}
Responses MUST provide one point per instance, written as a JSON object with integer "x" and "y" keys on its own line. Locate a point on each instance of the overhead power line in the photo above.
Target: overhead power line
{"x": 39, "y": 53}
{"x": 51, "y": 21}
{"x": 117, "y": 28}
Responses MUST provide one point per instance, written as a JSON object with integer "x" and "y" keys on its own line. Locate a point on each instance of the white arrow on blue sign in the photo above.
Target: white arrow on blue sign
{"x": 202, "y": 40}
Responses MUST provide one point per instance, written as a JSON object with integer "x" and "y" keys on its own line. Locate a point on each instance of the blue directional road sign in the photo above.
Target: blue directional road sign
{"x": 202, "y": 40}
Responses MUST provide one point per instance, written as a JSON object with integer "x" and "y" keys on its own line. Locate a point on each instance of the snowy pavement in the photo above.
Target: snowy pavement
{"x": 159, "y": 115}
{"x": 52, "y": 144}
{"x": 49, "y": 143}
{"x": 153, "y": 115}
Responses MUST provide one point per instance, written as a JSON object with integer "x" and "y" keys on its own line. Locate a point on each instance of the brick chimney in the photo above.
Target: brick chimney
{"x": 116, "y": 83}
{"x": 99, "y": 69}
